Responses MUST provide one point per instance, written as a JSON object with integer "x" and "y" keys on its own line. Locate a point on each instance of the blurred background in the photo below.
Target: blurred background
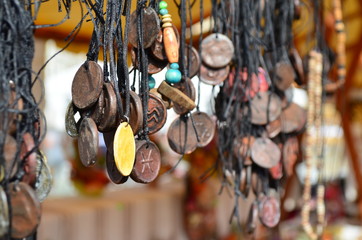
{"x": 84, "y": 204}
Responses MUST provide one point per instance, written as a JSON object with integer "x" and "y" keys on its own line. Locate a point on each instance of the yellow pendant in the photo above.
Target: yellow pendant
{"x": 124, "y": 149}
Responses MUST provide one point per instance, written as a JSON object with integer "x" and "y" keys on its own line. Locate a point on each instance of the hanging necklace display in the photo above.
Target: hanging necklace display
{"x": 25, "y": 177}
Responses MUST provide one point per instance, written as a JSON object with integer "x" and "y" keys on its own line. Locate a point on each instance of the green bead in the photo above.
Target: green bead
{"x": 162, "y": 5}
{"x": 163, "y": 11}
{"x": 173, "y": 76}
{"x": 151, "y": 82}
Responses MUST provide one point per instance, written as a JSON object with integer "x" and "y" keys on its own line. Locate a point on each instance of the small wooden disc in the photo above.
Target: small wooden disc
{"x": 154, "y": 65}
{"x": 88, "y": 142}
{"x": 195, "y": 61}
{"x": 217, "y": 50}
{"x": 124, "y": 148}
{"x": 205, "y": 128}
{"x": 109, "y": 118}
{"x": 290, "y": 154}
{"x": 4, "y": 213}
{"x": 188, "y": 88}
{"x": 294, "y": 118}
{"x": 148, "y": 162}
{"x": 87, "y": 85}
{"x": 284, "y": 75}
{"x": 114, "y": 175}
{"x": 44, "y": 180}
{"x": 265, "y": 107}
{"x": 136, "y": 113}
{"x": 265, "y": 152}
{"x": 25, "y": 210}
{"x": 97, "y": 110}
{"x": 214, "y": 76}
{"x": 269, "y": 211}
{"x": 181, "y": 136}
{"x": 150, "y": 27}
{"x": 156, "y": 114}
{"x": 30, "y": 162}
{"x": 71, "y": 125}
{"x": 158, "y": 49}
{"x": 274, "y": 128}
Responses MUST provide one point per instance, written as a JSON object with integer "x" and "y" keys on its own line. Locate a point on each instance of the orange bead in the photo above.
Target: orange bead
{"x": 171, "y": 44}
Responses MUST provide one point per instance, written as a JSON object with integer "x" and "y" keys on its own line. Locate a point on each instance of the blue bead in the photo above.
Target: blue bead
{"x": 174, "y": 66}
{"x": 163, "y": 11}
{"x": 173, "y": 76}
{"x": 151, "y": 82}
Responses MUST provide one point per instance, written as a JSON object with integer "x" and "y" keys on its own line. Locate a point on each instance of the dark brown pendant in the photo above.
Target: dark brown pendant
{"x": 109, "y": 119}
{"x": 150, "y": 27}
{"x": 71, "y": 125}
{"x": 88, "y": 142}
{"x": 87, "y": 85}
{"x": 25, "y": 210}
{"x": 188, "y": 88}
{"x": 265, "y": 153}
{"x": 265, "y": 107}
{"x": 114, "y": 175}
{"x": 195, "y": 61}
{"x": 217, "y": 50}
{"x": 136, "y": 113}
{"x": 97, "y": 111}
{"x": 181, "y": 136}
{"x": 156, "y": 114}
{"x": 293, "y": 118}
{"x": 158, "y": 49}
{"x": 205, "y": 128}
{"x": 148, "y": 162}
{"x": 213, "y": 76}
{"x": 284, "y": 75}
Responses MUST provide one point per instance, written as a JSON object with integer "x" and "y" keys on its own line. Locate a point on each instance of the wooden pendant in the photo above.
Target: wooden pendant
{"x": 171, "y": 44}
{"x": 176, "y": 96}
{"x": 124, "y": 148}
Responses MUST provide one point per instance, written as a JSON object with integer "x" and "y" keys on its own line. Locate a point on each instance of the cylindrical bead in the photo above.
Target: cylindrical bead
{"x": 171, "y": 44}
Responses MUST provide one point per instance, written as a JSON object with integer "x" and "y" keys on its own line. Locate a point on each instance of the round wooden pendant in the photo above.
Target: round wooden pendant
{"x": 109, "y": 118}
{"x": 269, "y": 211}
{"x": 136, "y": 112}
{"x": 108, "y": 138}
{"x": 30, "y": 161}
{"x": 193, "y": 61}
{"x": 156, "y": 114}
{"x": 4, "y": 213}
{"x": 284, "y": 75}
{"x": 150, "y": 27}
{"x": 88, "y": 142}
{"x": 213, "y": 76}
{"x": 265, "y": 107}
{"x": 148, "y": 162}
{"x": 265, "y": 153}
{"x": 158, "y": 49}
{"x": 124, "y": 149}
{"x": 97, "y": 111}
{"x": 181, "y": 136}
{"x": 25, "y": 210}
{"x": 154, "y": 65}
{"x": 293, "y": 118}
{"x": 44, "y": 180}
{"x": 217, "y": 50}
{"x": 205, "y": 128}
{"x": 87, "y": 85}
{"x": 188, "y": 88}
{"x": 71, "y": 125}
{"x": 290, "y": 154}
{"x": 113, "y": 173}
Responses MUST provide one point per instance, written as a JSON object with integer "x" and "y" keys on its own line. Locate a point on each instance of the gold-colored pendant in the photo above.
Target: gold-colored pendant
{"x": 124, "y": 149}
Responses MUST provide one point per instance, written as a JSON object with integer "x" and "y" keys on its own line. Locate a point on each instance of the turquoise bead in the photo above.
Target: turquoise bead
{"x": 151, "y": 82}
{"x": 162, "y": 5}
{"x": 173, "y": 76}
{"x": 163, "y": 11}
{"x": 174, "y": 66}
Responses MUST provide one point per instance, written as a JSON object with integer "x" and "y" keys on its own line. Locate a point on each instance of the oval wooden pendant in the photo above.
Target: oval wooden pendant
{"x": 136, "y": 112}
{"x": 124, "y": 149}
{"x": 109, "y": 118}
{"x": 25, "y": 210}
{"x": 88, "y": 142}
{"x": 4, "y": 213}
{"x": 156, "y": 114}
{"x": 192, "y": 57}
{"x": 284, "y": 75}
{"x": 87, "y": 85}
{"x": 113, "y": 173}
{"x": 181, "y": 136}
{"x": 294, "y": 118}
{"x": 205, "y": 128}
{"x": 217, "y": 50}
{"x": 269, "y": 211}
{"x": 265, "y": 153}
{"x": 213, "y": 76}
{"x": 148, "y": 162}
{"x": 71, "y": 125}
{"x": 44, "y": 180}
